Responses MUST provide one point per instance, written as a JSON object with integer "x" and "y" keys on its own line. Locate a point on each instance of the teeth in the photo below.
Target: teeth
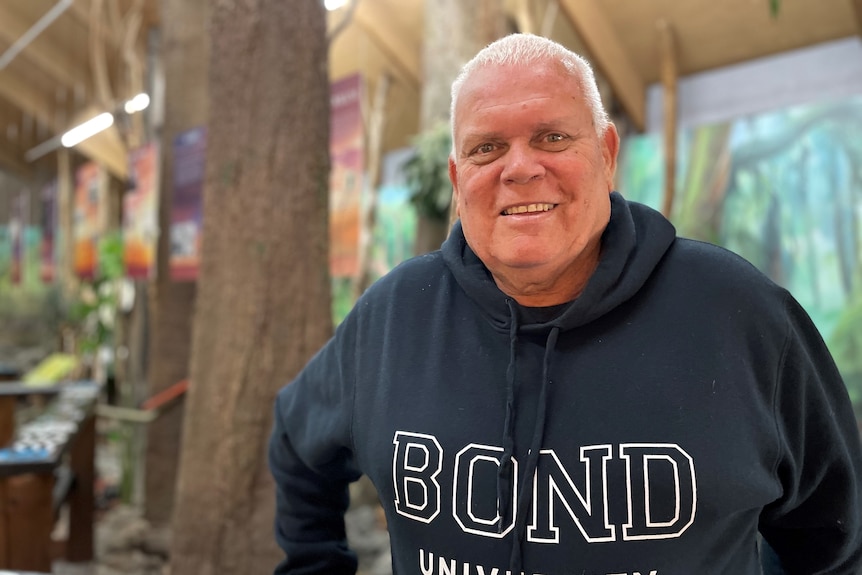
{"x": 529, "y": 209}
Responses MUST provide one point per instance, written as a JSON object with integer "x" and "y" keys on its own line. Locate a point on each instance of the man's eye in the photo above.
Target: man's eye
{"x": 485, "y": 149}
{"x": 554, "y": 142}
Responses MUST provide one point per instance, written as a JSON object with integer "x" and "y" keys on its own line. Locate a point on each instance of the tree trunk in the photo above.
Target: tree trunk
{"x": 454, "y": 31}
{"x": 264, "y": 296}
{"x": 185, "y": 57}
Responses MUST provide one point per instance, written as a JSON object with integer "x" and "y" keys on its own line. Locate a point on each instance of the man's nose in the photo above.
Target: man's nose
{"x": 521, "y": 165}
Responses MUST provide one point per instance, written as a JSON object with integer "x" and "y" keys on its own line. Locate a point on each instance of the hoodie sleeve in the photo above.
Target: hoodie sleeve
{"x": 311, "y": 460}
{"x": 815, "y": 527}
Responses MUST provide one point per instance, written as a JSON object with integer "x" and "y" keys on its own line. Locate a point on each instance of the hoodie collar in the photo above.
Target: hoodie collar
{"x": 633, "y": 242}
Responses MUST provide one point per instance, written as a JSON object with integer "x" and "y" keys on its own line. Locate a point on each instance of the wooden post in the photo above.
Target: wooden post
{"x": 857, "y": 11}
{"x": 524, "y": 17}
{"x": 667, "y": 48}
{"x": 376, "y": 122}
{"x": 82, "y": 500}
{"x": 30, "y": 519}
{"x": 66, "y": 210}
{"x": 4, "y": 524}
{"x": 7, "y": 419}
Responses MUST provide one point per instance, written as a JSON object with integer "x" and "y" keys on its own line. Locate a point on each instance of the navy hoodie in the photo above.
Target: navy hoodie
{"x": 682, "y": 403}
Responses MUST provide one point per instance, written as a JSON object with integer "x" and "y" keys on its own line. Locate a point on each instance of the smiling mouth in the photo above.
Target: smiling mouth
{"x": 528, "y": 209}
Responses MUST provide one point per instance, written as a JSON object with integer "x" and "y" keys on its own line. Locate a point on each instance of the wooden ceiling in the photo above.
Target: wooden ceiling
{"x": 90, "y": 56}
{"x": 62, "y": 61}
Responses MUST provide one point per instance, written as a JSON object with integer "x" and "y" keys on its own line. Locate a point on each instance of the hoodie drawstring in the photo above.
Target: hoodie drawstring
{"x": 504, "y": 484}
{"x": 533, "y": 457}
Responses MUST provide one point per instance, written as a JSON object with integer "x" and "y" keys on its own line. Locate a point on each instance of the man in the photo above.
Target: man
{"x": 566, "y": 387}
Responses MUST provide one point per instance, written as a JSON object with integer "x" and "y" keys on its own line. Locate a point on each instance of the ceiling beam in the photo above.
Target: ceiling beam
{"x": 597, "y": 34}
{"x": 82, "y": 15}
{"x": 51, "y": 60}
{"x": 11, "y": 162}
{"x": 106, "y": 148}
{"x": 26, "y": 98}
{"x": 372, "y": 18}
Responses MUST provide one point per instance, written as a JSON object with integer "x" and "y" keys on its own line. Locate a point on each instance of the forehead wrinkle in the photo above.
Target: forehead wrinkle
{"x": 554, "y": 124}
{"x": 480, "y": 106}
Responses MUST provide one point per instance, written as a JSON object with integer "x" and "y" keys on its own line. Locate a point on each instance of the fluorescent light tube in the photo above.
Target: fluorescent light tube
{"x": 89, "y": 128}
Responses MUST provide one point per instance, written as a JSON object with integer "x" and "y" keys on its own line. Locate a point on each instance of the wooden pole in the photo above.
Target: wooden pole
{"x": 524, "y": 17}
{"x": 4, "y": 524}
{"x": 857, "y": 11}
{"x": 30, "y": 520}
{"x": 368, "y": 221}
{"x": 669, "y": 73}
{"x": 82, "y": 500}
{"x": 66, "y": 209}
{"x": 7, "y": 420}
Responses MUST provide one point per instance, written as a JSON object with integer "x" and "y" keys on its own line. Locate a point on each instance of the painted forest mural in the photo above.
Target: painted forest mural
{"x": 784, "y": 190}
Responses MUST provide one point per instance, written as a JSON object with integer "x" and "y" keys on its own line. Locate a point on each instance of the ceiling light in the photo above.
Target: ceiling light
{"x": 333, "y": 4}
{"x": 136, "y": 104}
{"x": 89, "y": 128}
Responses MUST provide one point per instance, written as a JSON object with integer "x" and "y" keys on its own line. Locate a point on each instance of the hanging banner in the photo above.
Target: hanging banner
{"x": 17, "y": 228}
{"x": 141, "y": 213}
{"x": 187, "y": 205}
{"x": 346, "y": 151}
{"x": 47, "y": 247}
{"x": 88, "y": 185}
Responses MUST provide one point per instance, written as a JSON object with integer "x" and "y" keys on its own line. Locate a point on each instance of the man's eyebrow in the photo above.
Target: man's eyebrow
{"x": 550, "y": 125}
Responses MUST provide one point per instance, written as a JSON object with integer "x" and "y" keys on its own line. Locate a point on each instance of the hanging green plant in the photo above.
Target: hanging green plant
{"x": 427, "y": 173}
{"x": 774, "y": 7}
{"x": 95, "y": 310}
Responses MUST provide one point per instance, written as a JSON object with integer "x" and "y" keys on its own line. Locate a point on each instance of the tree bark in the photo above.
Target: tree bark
{"x": 264, "y": 296}
{"x": 185, "y": 53}
{"x": 454, "y": 31}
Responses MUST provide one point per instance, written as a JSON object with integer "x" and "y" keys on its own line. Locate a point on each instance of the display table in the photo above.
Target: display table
{"x": 44, "y": 464}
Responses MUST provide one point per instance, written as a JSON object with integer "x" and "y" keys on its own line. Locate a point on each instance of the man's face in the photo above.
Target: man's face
{"x": 531, "y": 177}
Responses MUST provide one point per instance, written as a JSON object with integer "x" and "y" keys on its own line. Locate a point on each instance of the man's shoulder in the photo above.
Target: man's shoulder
{"x": 706, "y": 258}
{"x": 709, "y": 266}
{"x": 414, "y": 274}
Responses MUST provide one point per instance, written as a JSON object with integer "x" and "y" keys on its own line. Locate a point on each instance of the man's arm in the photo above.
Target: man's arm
{"x": 815, "y": 527}
{"x": 311, "y": 462}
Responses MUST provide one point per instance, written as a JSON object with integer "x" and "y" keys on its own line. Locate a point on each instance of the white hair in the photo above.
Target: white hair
{"x": 526, "y": 49}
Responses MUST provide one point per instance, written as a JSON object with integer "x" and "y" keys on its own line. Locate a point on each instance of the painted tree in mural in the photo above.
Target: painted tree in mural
{"x": 787, "y": 195}
{"x": 263, "y": 304}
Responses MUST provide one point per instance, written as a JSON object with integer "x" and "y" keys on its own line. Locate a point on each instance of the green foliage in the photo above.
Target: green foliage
{"x": 427, "y": 173}
{"x": 846, "y": 346}
{"x": 774, "y": 7}
{"x": 111, "y": 265}
{"x": 394, "y": 235}
{"x": 30, "y": 311}
{"x": 342, "y": 299}
{"x": 95, "y": 310}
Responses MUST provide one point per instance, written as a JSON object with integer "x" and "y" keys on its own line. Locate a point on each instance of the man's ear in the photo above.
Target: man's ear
{"x": 453, "y": 177}
{"x": 610, "y": 151}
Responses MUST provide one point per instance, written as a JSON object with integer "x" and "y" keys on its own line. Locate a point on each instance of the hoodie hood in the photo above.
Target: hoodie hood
{"x": 634, "y": 241}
